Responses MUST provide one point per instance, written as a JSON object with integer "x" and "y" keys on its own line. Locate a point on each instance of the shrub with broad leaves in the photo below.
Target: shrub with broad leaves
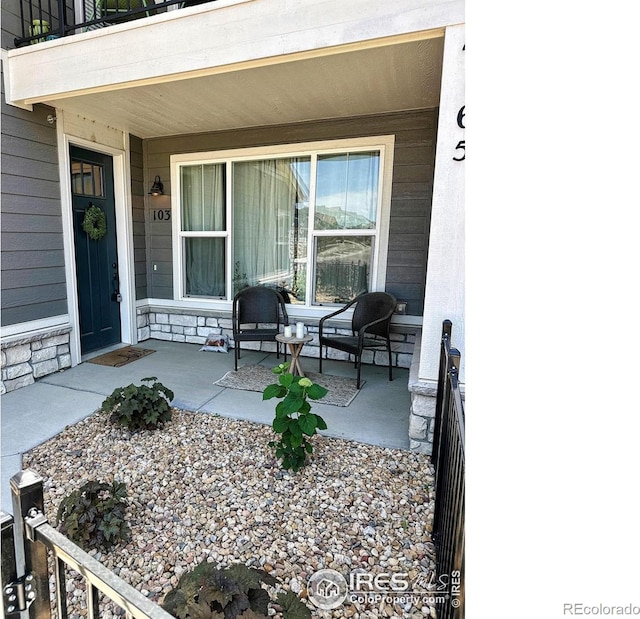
{"x": 294, "y": 420}
{"x": 140, "y": 406}
{"x": 207, "y": 592}
{"x": 94, "y": 515}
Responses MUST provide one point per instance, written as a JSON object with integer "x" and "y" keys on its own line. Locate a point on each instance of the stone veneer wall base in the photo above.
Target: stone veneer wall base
{"x": 27, "y": 357}
{"x": 194, "y": 326}
{"x": 423, "y": 406}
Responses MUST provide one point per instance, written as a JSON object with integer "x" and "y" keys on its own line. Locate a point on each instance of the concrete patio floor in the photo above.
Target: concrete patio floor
{"x": 379, "y": 414}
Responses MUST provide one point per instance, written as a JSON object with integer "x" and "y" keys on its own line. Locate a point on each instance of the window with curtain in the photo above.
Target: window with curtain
{"x": 306, "y": 224}
{"x": 204, "y": 230}
{"x": 269, "y": 236}
{"x": 346, "y": 205}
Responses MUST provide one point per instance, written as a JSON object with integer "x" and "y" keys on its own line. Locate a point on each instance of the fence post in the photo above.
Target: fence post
{"x": 8, "y": 573}
{"x": 445, "y": 342}
{"x": 31, "y": 557}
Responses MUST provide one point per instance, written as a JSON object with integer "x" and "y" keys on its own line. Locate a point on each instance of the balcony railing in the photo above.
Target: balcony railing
{"x": 45, "y": 20}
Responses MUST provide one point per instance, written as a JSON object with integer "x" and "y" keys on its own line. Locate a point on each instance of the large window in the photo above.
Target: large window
{"x": 309, "y": 220}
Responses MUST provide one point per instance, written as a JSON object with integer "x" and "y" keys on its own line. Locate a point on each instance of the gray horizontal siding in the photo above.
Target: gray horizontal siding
{"x": 19, "y": 260}
{"x": 32, "y": 205}
{"x": 19, "y": 147}
{"x": 160, "y": 274}
{"x": 29, "y": 224}
{"x": 415, "y": 134}
{"x": 15, "y": 315}
{"x": 31, "y": 295}
{"x": 138, "y": 216}
{"x": 31, "y": 241}
{"x": 38, "y": 277}
{"x": 32, "y": 258}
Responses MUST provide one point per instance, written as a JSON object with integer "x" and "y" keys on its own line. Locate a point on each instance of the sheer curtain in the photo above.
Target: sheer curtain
{"x": 203, "y": 210}
{"x": 265, "y": 194}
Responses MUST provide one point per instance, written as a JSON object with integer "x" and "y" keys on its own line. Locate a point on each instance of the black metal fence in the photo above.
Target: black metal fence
{"x": 448, "y": 460}
{"x": 25, "y": 570}
{"x": 45, "y": 20}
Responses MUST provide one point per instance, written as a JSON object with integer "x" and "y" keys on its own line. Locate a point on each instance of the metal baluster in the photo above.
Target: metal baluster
{"x": 61, "y": 589}
{"x": 22, "y": 20}
{"x": 93, "y": 602}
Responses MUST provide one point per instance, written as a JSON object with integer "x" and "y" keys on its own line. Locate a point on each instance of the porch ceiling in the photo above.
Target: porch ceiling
{"x": 388, "y": 78}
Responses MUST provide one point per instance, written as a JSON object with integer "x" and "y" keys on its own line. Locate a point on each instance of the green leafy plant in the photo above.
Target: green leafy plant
{"x": 94, "y": 222}
{"x": 140, "y": 406}
{"x": 292, "y": 607}
{"x": 94, "y": 515}
{"x": 294, "y": 420}
{"x": 207, "y": 592}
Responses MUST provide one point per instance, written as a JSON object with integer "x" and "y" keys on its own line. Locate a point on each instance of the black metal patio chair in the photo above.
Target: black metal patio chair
{"x": 370, "y": 325}
{"x": 258, "y": 313}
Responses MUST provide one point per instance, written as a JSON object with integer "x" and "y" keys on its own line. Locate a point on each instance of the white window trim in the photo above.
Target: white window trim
{"x": 385, "y": 144}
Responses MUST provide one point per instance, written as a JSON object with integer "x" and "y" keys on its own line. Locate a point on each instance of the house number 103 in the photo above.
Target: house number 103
{"x": 161, "y": 214}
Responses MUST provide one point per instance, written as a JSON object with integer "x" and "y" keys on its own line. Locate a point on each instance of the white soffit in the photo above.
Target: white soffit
{"x": 389, "y": 78}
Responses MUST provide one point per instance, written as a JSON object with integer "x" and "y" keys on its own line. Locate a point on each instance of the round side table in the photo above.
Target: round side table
{"x": 295, "y": 345}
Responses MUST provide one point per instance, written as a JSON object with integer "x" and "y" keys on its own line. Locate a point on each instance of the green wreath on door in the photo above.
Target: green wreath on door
{"x": 94, "y": 223}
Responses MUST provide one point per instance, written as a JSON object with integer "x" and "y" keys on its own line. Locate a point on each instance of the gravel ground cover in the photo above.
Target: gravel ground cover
{"x": 209, "y": 488}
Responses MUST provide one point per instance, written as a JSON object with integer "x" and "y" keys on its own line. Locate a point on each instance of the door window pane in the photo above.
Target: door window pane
{"x": 87, "y": 179}
{"x": 343, "y": 267}
{"x": 271, "y": 214}
{"x": 347, "y": 191}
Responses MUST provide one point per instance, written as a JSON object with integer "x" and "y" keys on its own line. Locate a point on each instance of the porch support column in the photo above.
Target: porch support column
{"x": 444, "y": 288}
{"x": 444, "y": 294}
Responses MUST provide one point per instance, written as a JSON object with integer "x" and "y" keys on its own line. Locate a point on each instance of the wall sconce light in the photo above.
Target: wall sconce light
{"x": 157, "y": 189}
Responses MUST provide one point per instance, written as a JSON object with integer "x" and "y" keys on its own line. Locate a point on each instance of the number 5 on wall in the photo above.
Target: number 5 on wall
{"x": 459, "y": 146}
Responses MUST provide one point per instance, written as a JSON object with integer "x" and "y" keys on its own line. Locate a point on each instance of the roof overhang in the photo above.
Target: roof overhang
{"x": 241, "y": 63}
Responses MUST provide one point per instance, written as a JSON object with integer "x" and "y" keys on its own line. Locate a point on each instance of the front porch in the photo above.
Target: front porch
{"x": 208, "y": 488}
{"x": 379, "y": 414}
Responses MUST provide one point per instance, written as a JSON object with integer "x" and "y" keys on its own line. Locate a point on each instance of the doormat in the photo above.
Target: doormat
{"x": 122, "y": 356}
{"x": 257, "y": 377}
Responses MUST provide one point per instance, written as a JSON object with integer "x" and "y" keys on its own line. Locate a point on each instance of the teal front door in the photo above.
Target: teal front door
{"x": 94, "y": 228}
